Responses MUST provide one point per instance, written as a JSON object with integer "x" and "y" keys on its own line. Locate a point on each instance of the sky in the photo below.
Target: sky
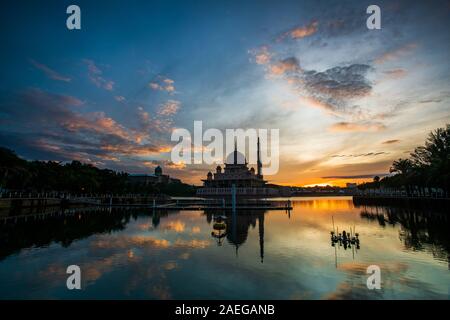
{"x": 347, "y": 100}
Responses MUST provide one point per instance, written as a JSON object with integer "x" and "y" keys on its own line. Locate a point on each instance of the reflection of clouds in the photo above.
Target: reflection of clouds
{"x": 185, "y": 256}
{"x": 55, "y": 274}
{"x": 170, "y": 265}
{"x": 176, "y": 226}
{"x": 193, "y": 243}
{"x": 126, "y": 242}
{"x": 196, "y": 229}
{"x": 394, "y": 278}
{"x": 161, "y": 292}
{"x": 360, "y": 268}
{"x": 145, "y": 226}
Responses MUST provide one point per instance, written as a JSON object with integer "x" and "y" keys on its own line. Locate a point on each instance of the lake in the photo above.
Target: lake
{"x": 135, "y": 253}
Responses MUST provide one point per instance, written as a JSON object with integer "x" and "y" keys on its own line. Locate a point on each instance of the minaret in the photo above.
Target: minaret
{"x": 235, "y": 152}
{"x": 258, "y": 163}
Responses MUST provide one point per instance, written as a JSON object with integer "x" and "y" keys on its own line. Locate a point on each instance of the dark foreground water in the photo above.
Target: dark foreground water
{"x": 137, "y": 254}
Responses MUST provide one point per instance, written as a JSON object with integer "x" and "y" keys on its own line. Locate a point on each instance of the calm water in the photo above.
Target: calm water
{"x": 134, "y": 254}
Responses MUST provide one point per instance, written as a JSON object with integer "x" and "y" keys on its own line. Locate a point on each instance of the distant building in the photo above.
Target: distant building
{"x": 236, "y": 172}
{"x": 151, "y": 179}
{"x": 351, "y": 185}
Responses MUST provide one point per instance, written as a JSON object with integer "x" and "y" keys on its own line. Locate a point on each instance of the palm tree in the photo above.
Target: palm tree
{"x": 401, "y": 166}
{"x": 434, "y": 158}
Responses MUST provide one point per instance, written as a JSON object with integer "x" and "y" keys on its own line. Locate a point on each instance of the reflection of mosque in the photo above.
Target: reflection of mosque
{"x": 236, "y": 227}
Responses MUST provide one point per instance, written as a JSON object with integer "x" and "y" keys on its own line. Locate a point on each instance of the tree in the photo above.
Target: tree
{"x": 434, "y": 158}
{"x": 401, "y": 166}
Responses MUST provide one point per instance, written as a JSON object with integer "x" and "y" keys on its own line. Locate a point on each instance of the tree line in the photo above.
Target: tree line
{"x": 74, "y": 177}
{"x": 428, "y": 166}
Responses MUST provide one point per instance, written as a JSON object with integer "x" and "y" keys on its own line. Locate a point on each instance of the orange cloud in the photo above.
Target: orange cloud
{"x": 302, "y": 32}
{"x": 262, "y": 55}
{"x": 283, "y": 66}
{"x": 163, "y": 84}
{"x": 356, "y": 127}
{"x": 169, "y": 108}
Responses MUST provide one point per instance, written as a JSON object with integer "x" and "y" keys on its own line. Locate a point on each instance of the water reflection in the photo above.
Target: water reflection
{"x": 141, "y": 253}
{"x": 419, "y": 229}
{"x": 236, "y": 227}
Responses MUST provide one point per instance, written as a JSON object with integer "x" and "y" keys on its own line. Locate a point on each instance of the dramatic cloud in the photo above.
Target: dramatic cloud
{"x": 332, "y": 89}
{"x": 338, "y": 83}
{"x": 50, "y": 123}
{"x": 356, "y": 127}
{"x": 95, "y": 75}
{"x": 49, "y": 72}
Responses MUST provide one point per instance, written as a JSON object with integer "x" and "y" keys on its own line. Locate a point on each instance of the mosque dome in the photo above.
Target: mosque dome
{"x": 240, "y": 158}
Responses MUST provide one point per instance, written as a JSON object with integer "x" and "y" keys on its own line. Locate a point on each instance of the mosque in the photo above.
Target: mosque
{"x": 249, "y": 184}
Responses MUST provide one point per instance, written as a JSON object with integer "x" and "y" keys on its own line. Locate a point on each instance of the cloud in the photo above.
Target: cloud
{"x": 301, "y": 32}
{"x": 396, "y": 53}
{"x": 163, "y": 84}
{"x": 356, "y": 127}
{"x": 390, "y": 141}
{"x": 281, "y": 67}
{"x": 357, "y": 176}
{"x": 156, "y": 123}
{"x": 338, "y": 83}
{"x": 48, "y": 123}
{"x": 395, "y": 73}
{"x": 169, "y": 108}
{"x": 95, "y": 75}
{"x": 261, "y": 55}
{"x": 120, "y": 98}
{"x": 332, "y": 89}
{"x": 49, "y": 72}
{"x": 369, "y": 154}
